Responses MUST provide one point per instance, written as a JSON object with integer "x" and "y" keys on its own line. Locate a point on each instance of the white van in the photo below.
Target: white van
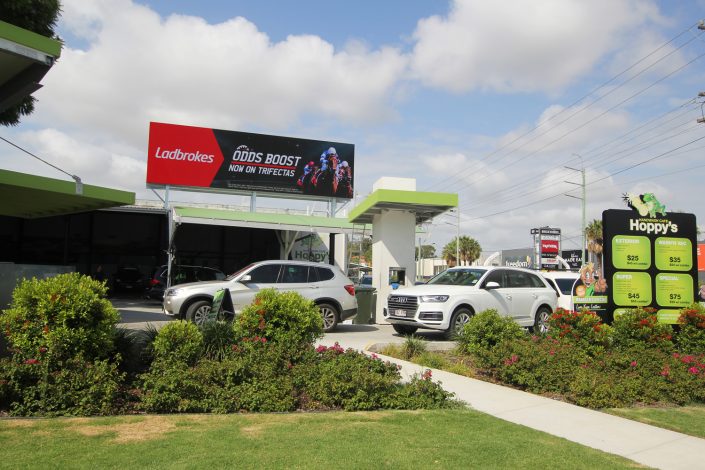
{"x": 562, "y": 282}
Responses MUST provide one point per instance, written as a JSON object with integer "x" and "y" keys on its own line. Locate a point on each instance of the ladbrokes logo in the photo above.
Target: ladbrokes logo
{"x": 178, "y": 154}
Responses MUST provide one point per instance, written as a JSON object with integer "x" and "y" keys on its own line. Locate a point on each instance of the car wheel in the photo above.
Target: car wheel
{"x": 541, "y": 320}
{"x": 329, "y": 314}
{"x": 198, "y": 312}
{"x": 405, "y": 329}
{"x": 460, "y": 317}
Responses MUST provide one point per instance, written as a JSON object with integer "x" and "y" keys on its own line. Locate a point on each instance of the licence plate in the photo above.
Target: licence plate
{"x": 399, "y": 313}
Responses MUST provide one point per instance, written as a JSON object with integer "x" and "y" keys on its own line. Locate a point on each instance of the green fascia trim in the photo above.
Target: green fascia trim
{"x": 42, "y": 183}
{"x": 410, "y": 198}
{"x": 30, "y": 196}
{"x": 30, "y": 39}
{"x": 265, "y": 218}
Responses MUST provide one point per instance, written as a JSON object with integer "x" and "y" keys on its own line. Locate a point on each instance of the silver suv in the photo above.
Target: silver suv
{"x": 326, "y": 285}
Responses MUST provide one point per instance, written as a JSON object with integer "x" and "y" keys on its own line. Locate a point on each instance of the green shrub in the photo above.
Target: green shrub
{"x": 218, "y": 339}
{"x": 421, "y": 392}
{"x": 281, "y": 317}
{"x": 73, "y": 387}
{"x": 67, "y": 314}
{"x": 179, "y": 341}
{"x": 583, "y": 328}
{"x": 413, "y": 346}
{"x": 334, "y": 378}
{"x": 486, "y": 330}
{"x": 537, "y": 364}
{"x": 639, "y": 375}
{"x": 691, "y": 336}
{"x": 253, "y": 378}
{"x": 640, "y": 326}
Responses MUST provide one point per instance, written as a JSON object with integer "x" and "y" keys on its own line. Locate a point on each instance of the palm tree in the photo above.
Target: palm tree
{"x": 448, "y": 253}
{"x": 593, "y": 233}
{"x": 470, "y": 250}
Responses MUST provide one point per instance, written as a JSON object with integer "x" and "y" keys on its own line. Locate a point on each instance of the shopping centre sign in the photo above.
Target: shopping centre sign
{"x": 197, "y": 157}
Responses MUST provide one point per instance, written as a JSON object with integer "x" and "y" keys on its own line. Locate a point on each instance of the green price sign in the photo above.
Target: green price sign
{"x": 674, "y": 289}
{"x": 668, "y": 316}
{"x": 673, "y": 254}
{"x": 631, "y": 289}
{"x": 631, "y": 252}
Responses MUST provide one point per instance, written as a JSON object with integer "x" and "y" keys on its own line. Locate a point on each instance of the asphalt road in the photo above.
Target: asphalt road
{"x": 138, "y": 313}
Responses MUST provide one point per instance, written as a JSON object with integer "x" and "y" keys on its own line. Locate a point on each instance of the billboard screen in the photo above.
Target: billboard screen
{"x": 198, "y": 157}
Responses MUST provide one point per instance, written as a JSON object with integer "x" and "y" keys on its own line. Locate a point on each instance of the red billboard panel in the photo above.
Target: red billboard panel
{"x": 550, "y": 246}
{"x": 197, "y": 157}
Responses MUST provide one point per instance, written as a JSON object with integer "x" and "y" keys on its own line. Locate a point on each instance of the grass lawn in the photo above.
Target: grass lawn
{"x": 686, "y": 419}
{"x": 394, "y": 439}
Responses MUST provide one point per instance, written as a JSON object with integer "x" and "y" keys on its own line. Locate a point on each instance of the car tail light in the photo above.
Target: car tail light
{"x": 154, "y": 282}
{"x": 350, "y": 288}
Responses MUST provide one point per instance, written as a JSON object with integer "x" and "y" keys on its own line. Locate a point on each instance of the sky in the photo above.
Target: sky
{"x": 501, "y": 102}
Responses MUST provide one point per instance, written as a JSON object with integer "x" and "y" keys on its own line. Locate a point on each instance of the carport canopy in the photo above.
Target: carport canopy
{"x": 25, "y": 57}
{"x": 272, "y": 221}
{"x": 424, "y": 205}
{"x": 30, "y": 196}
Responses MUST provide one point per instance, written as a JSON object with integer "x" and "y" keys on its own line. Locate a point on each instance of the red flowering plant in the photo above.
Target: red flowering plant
{"x": 280, "y": 317}
{"x": 584, "y": 329}
{"x": 691, "y": 335}
{"x": 640, "y": 327}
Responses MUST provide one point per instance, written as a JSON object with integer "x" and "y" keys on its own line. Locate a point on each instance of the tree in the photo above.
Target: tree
{"x": 593, "y": 233}
{"x": 470, "y": 250}
{"x": 448, "y": 253}
{"x": 38, "y": 16}
{"x": 427, "y": 251}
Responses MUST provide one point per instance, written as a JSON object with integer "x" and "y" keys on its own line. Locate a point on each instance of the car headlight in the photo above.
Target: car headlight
{"x": 434, "y": 298}
{"x": 172, "y": 292}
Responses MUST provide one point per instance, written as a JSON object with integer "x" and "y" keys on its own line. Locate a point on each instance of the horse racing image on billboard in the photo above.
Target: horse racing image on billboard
{"x": 198, "y": 157}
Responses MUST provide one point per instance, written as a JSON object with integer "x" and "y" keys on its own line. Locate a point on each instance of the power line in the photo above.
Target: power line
{"x": 589, "y": 184}
{"x": 79, "y": 184}
{"x": 576, "y": 102}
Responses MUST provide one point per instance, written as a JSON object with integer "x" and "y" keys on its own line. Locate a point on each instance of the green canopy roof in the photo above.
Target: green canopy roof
{"x": 425, "y": 205}
{"x": 25, "y": 57}
{"x": 300, "y": 223}
{"x": 29, "y": 196}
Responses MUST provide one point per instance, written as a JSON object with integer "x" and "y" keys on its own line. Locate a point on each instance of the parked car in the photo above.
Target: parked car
{"x": 128, "y": 279}
{"x": 326, "y": 285}
{"x": 365, "y": 280}
{"x": 451, "y": 298}
{"x": 180, "y": 274}
{"x": 562, "y": 282}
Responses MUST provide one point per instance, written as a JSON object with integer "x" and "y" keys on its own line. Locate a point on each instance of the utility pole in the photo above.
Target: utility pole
{"x": 583, "y": 199}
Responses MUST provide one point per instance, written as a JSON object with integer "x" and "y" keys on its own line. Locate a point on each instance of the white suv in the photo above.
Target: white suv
{"x": 326, "y": 285}
{"x": 449, "y": 299}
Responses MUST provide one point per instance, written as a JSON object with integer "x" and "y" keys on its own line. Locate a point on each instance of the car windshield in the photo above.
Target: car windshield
{"x": 565, "y": 285}
{"x": 236, "y": 274}
{"x": 458, "y": 277}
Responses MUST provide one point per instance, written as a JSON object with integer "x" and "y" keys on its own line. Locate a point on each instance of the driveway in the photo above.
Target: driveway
{"x": 138, "y": 313}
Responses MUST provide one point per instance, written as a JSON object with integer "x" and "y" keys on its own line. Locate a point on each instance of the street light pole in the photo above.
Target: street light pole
{"x": 457, "y": 240}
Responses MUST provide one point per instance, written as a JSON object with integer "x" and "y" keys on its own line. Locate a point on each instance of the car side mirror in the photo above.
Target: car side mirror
{"x": 492, "y": 285}
{"x": 245, "y": 279}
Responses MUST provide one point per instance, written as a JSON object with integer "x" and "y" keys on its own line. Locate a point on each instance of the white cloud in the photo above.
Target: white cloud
{"x": 523, "y": 45}
{"x": 140, "y": 67}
